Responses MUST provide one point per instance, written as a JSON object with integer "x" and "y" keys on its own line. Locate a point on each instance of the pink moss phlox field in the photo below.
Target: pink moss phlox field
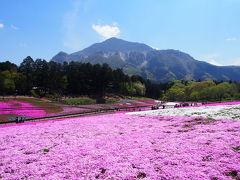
{"x": 120, "y": 146}
{"x": 21, "y": 109}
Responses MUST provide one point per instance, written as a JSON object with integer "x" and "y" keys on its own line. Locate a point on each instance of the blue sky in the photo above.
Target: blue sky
{"x": 208, "y": 30}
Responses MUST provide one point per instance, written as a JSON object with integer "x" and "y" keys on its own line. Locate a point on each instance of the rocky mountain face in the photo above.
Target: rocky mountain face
{"x": 156, "y": 65}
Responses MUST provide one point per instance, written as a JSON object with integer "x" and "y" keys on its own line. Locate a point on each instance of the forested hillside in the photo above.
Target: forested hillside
{"x": 42, "y": 78}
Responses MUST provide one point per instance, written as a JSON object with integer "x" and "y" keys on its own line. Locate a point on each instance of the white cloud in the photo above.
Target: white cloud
{"x": 212, "y": 59}
{"x": 14, "y": 27}
{"x": 214, "y": 62}
{"x": 1, "y": 26}
{"x": 155, "y": 48}
{"x": 107, "y": 31}
{"x": 231, "y": 39}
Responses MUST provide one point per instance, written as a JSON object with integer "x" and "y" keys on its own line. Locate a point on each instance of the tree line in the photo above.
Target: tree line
{"x": 202, "y": 91}
{"x": 41, "y": 78}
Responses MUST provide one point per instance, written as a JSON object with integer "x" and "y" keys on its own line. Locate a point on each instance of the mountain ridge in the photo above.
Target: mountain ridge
{"x": 156, "y": 65}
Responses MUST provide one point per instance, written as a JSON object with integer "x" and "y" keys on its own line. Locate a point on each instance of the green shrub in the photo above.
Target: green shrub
{"x": 46, "y": 150}
{"x": 34, "y": 94}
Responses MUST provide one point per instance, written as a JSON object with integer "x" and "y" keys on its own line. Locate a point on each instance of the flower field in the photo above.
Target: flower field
{"x": 122, "y": 146}
{"x": 32, "y": 109}
{"x": 37, "y": 108}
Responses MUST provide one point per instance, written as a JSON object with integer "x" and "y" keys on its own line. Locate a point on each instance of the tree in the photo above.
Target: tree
{"x": 7, "y": 84}
{"x": 140, "y": 88}
{"x": 225, "y": 90}
{"x": 64, "y": 83}
{"x": 26, "y": 68}
{"x": 194, "y": 96}
{"x": 41, "y": 74}
{"x": 174, "y": 94}
{"x": 8, "y": 66}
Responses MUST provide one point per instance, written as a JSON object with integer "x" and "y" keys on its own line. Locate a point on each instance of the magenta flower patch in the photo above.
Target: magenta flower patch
{"x": 12, "y": 108}
{"x": 21, "y": 109}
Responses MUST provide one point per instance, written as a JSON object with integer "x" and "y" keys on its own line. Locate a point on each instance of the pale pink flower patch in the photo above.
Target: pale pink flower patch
{"x": 120, "y": 146}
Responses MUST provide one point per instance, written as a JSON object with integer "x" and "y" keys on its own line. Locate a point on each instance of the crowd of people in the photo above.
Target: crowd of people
{"x": 182, "y": 104}
{"x": 19, "y": 120}
{"x": 154, "y": 107}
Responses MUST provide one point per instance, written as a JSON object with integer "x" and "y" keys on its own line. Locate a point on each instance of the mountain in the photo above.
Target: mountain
{"x": 110, "y": 47}
{"x": 156, "y": 65}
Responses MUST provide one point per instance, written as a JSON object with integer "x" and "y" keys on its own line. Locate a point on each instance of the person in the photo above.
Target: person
{"x": 163, "y": 106}
{"x": 16, "y": 120}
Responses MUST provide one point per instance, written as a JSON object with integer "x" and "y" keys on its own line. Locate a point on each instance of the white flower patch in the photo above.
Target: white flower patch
{"x": 216, "y": 112}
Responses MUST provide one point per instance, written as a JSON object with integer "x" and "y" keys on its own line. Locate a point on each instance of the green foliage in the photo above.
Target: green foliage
{"x": 8, "y": 85}
{"x": 201, "y": 91}
{"x": 8, "y": 81}
{"x": 112, "y": 100}
{"x": 226, "y": 90}
{"x": 140, "y": 88}
{"x": 141, "y": 175}
{"x": 233, "y": 174}
{"x": 194, "y": 96}
{"x": 54, "y": 96}
{"x": 141, "y": 98}
{"x": 178, "y": 84}
{"x": 64, "y": 82}
{"x": 175, "y": 93}
{"x": 79, "y": 101}
{"x": 46, "y": 150}
{"x": 34, "y": 93}
{"x": 41, "y": 78}
{"x": 131, "y": 90}
{"x": 128, "y": 89}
